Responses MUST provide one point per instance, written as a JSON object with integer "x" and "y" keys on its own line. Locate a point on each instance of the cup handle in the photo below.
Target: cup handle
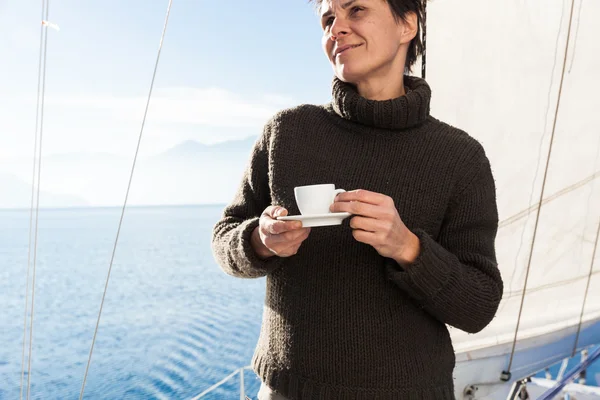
{"x": 335, "y": 193}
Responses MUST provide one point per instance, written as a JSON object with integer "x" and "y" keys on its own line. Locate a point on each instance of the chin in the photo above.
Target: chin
{"x": 346, "y": 73}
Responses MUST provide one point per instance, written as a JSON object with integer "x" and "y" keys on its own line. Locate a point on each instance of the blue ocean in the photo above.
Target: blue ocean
{"x": 173, "y": 323}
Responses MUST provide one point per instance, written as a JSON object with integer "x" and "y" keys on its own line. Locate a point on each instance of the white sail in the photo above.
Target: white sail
{"x": 495, "y": 68}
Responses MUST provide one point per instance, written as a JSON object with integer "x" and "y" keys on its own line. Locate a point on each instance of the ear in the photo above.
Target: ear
{"x": 410, "y": 26}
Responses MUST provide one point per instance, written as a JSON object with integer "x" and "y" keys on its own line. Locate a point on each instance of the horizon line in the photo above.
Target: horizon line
{"x": 58, "y": 208}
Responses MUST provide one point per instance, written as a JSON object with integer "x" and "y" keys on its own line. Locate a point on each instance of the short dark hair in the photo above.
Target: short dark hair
{"x": 399, "y": 9}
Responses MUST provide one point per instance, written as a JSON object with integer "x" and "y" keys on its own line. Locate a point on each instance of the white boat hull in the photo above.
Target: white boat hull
{"x": 480, "y": 370}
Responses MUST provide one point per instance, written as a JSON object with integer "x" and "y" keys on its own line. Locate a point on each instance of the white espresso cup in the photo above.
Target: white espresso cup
{"x": 315, "y": 199}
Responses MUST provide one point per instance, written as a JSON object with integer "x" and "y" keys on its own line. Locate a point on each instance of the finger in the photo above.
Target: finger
{"x": 275, "y": 211}
{"x": 293, "y": 236}
{"x": 275, "y": 227}
{"x": 293, "y": 247}
{"x": 364, "y": 236}
{"x": 358, "y": 208}
{"x": 366, "y": 224}
{"x": 364, "y": 196}
{"x": 288, "y": 239}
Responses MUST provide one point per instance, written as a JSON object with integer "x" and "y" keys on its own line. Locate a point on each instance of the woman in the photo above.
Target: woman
{"x": 360, "y": 310}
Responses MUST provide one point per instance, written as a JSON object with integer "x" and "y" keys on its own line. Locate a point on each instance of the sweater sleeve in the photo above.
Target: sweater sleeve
{"x": 456, "y": 278}
{"x": 231, "y": 235}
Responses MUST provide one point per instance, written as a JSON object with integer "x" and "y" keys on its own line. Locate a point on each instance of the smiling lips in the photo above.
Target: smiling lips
{"x": 342, "y": 49}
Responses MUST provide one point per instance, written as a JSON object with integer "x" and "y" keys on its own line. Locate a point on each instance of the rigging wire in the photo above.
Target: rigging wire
{"x": 537, "y": 218}
{"x": 539, "y": 156}
{"x": 126, "y": 197}
{"x": 576, "y": 35}
{"x": 35, "y": 197}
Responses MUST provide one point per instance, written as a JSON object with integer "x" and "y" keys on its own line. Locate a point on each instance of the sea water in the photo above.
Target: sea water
{"x": 173, "y": 324}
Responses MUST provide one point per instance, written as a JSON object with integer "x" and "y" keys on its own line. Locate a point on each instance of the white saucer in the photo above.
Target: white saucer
{"x": 317, "y": 219}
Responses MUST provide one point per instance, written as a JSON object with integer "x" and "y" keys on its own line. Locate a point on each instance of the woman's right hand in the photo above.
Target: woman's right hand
{"x": 277, "y": 238}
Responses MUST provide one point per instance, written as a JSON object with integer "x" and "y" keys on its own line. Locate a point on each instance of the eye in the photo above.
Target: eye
{"x": 328, "y": 21}
{"x": 355, "y": 9}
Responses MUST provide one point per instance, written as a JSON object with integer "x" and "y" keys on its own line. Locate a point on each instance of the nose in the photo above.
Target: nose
{"x": 339, "y": 28}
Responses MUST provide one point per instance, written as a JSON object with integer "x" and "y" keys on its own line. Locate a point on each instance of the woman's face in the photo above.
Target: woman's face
{"x": 363, "y": 40}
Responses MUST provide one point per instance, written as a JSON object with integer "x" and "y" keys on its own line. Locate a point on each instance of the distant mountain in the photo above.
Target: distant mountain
{"x": 192, "y": 173}
{"x": 192, "y": 148}
{"x": 17, "y": 194}
{"x": 188, "y": 173}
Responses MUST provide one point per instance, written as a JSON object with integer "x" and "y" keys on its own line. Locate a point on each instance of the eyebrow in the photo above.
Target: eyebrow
{"x": 344, "y": 6}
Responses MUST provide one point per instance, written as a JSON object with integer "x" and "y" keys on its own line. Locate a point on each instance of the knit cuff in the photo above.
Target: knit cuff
{"x": 429, "y": 273}
{"x": 250, "y": 263}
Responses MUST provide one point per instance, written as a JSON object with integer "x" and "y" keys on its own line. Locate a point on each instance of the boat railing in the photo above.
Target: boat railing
{"x": 239, "y": 372}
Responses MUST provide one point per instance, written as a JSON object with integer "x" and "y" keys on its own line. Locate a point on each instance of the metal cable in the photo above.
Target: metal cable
{"x": 125, "y": 202}
{"x": 37, "y": 115}
{"x": 537, "y": 218}
{"x": 39, "y": 172}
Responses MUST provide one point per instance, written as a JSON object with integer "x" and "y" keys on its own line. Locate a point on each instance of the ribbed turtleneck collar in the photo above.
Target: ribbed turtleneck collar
{"x": 400, "y": 113}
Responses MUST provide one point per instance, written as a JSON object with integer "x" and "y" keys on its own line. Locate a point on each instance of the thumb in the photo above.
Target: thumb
{"x": 274, "y": 212}
{"x": 280, "y": 212}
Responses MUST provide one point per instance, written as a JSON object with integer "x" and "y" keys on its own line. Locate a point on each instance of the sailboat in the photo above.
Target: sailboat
{"x": 525, "y": 74}
{"x": 521, "y": 77}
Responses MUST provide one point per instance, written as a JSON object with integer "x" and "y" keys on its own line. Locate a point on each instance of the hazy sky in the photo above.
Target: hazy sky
{"x": 226, "y": 66}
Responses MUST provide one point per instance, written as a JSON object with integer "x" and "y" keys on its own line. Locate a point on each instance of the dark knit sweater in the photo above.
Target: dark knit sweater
{"x": 340, "y": 321}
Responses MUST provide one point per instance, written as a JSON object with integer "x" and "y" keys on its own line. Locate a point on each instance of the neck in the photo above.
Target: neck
{"x": 394, "y": 112}
{"x": 385, "y": 83}
{"x": 387, "y": 87}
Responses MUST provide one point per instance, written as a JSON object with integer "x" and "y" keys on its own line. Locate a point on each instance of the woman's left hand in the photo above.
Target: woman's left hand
{"x": 376, "y": 222}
